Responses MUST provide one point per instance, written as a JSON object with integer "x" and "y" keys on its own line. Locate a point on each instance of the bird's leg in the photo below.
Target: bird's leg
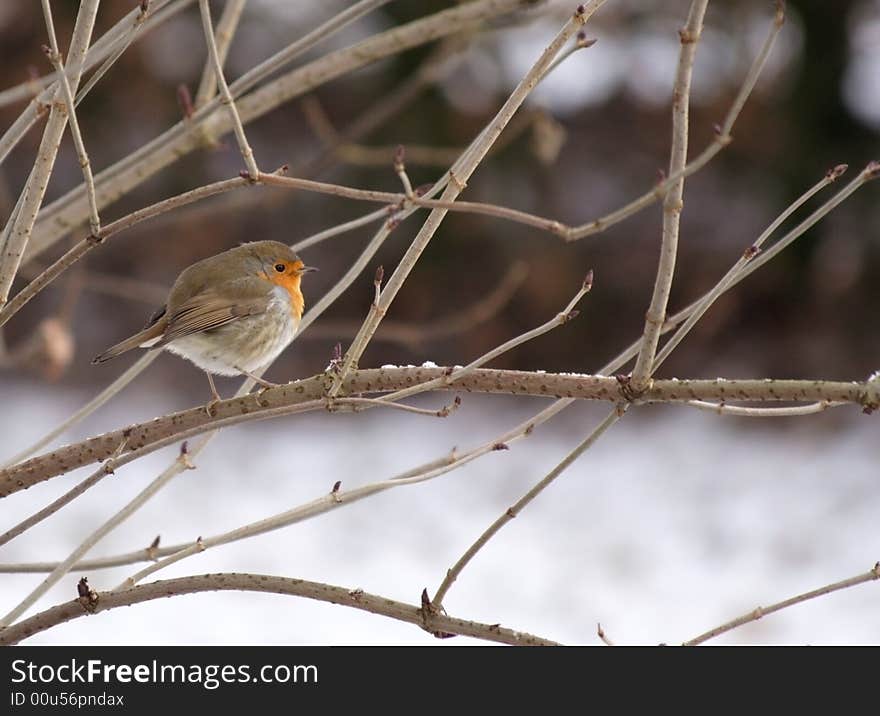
{"x": 209, "y": 408}
{"x": 265, "y": 383}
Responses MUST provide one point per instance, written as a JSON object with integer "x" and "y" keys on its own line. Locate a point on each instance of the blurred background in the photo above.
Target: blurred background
{"x": 592, "y": 137}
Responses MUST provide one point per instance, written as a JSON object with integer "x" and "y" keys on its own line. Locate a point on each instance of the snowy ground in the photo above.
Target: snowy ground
{"x": 674, "y": 522}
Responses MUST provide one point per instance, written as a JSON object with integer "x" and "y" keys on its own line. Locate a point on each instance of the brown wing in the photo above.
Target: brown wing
{"x": 208, "y": 309}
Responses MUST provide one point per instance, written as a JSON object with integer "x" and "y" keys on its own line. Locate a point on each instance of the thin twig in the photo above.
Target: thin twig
{"x": 439, "y": 328}
{"x": 759, "y": 612}
{"x": 580, "y": 43}
{"x": 143, "y": 14}
{"x": 384, "y": 197}
{"x": 869, "y": 173}
{"x": 196, "y": 547}
{"x": 445, "y": 411}
{"x": 364, "y": 220}
{"x": 106, "y": 394}
{"x": 511, "y": 512}
{"x": 54, "y": 55}
{"x": 224, "y": 33}
{"x": 459, "y": 175}
{"x": 182, "y": 463}
{"x": 179, "y": 140}
{"x": 400, "y": 170}
{"x": 106, "y": 469}
{"x": 226, "y": 96}
{"x": 333, "y": 500}
{"x": 672, "y": 202}
{"x": 751, "y": 252}
{"x": 600, "y": 632}
{"x": 20, "y": 233}
{"x": 561, "y": 318}
{"x": 722, "y": 409}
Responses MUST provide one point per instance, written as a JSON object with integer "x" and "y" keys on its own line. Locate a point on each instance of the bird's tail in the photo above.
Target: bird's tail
{"x": 146, "y": 338}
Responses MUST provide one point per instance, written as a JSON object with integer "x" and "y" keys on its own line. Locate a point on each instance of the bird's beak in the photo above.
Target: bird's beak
{"x": 306, "y": 269}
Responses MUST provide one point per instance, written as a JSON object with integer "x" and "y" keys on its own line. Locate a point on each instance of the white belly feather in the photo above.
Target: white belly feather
{"x": 247, "y": 343}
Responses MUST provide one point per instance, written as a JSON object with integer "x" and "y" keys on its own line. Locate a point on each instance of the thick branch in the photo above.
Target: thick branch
{"x": 273, "y": 402}
{"x": 434, "y": 623}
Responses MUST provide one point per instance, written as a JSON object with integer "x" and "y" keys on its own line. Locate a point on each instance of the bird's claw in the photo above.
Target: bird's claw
{"x": 211, "y": 407}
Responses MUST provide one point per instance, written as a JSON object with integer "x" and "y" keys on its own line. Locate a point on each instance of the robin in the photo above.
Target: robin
{"x": 230, "y": 314}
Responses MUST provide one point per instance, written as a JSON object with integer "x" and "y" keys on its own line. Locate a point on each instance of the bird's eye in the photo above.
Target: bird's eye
{"x": 280, "y": 268}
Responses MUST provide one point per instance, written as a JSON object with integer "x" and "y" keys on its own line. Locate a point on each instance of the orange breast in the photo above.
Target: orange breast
{"x": 289, "y": 283}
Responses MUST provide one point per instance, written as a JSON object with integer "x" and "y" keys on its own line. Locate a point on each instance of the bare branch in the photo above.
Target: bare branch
{"x": 224, "y": 33}
{"x": 105, "y": 47}
{"x": 309, "y": 393}
{"x": 561, "y": 318}
{"x": 356, "y": 598}
{"x": 182, "y": 463}
{"x": 455, "y": 323}
{"x": 89, "y": 408}
{"x": 672, "y": 202}
{"x": 749, "y": 254}
{"x": 142, "y": 15}
{"x": 119, "y": 179}
{"x": 106, "y": 469}
{"x": 364, "y": 220}
{"x": 600, "y": 632}
{"x": 54, "y": 55}
{"x": 459, "y": 175}
{"x": 511, "y": 512}
{"x": 22, "y": 224}
{"x": 336, "y": 499}
{"x": 225, "y": 96}
{"x": 792, "y": 410}
{"x": 759, "y": 612}
{"x": 869, "y": 173}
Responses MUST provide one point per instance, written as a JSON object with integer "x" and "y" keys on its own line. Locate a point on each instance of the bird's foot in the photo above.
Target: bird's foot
{"x": 211, "y": 406}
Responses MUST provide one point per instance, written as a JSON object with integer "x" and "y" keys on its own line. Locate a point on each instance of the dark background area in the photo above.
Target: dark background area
{"x": 809, "y": 313}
